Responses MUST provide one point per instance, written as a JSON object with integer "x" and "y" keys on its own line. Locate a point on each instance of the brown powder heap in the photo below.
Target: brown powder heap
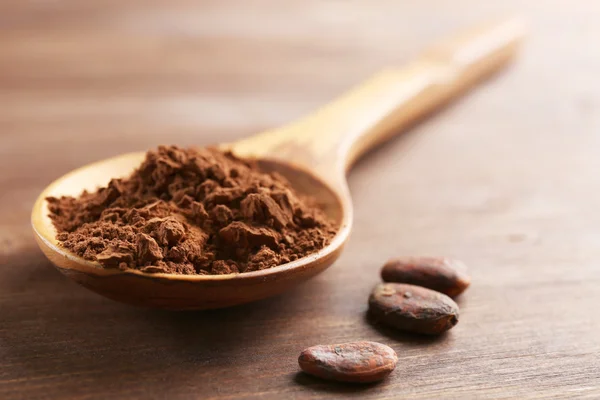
{"x": 192, "y": 211}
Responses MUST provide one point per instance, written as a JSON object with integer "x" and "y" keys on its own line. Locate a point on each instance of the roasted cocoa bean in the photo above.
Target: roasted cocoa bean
{"x": 412, "y": 308}
{"x": 438, "y": 273}
{"x": 349, "y": 362}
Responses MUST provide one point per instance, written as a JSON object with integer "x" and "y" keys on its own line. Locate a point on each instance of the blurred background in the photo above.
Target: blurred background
{"x": 505, "y": 179}
{"x": 148, "y": 72}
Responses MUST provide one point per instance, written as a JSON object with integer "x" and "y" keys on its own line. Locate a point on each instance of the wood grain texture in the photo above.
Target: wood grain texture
{"x": 506, "y": 180}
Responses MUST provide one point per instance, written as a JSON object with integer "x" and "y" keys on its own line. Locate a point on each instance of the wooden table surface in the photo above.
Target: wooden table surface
{"x": 507, "y": 179}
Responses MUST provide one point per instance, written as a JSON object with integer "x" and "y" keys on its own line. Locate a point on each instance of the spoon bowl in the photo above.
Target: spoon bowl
{"x": 175, "y": 291}
{"x": 313, "y": 153}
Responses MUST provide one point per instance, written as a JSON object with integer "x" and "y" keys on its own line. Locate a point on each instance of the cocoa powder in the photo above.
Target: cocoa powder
{"x": 192, "y": 211}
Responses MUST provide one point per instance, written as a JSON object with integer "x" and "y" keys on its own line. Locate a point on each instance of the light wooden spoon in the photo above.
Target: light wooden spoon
{"x": 314, "y": 153}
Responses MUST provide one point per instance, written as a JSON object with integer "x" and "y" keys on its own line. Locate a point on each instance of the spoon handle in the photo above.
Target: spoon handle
{"x": 335, "y": 136}
{"x": 394, "y": 99}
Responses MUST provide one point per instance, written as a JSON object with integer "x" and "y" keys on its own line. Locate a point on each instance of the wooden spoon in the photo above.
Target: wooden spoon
{"x": 314, "y": 153}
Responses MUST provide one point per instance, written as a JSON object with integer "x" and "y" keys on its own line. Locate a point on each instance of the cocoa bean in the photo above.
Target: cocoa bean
{"x": 412, "y": 308}
{"x": 349, "y": 362}
{"x": 438, "y": 273}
